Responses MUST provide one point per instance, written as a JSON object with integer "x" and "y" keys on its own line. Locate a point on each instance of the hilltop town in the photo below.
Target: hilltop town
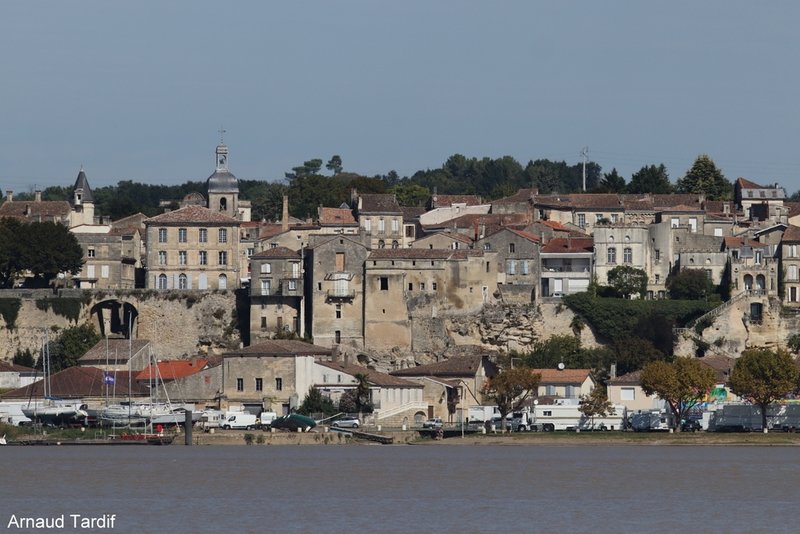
{"x": 422, "y": 300}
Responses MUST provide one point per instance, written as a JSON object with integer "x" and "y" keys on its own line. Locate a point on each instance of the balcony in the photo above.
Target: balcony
{"x": 341, "y": 293}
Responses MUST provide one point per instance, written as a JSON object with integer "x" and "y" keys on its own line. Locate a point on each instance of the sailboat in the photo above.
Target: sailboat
{"x": 52, "y": 411}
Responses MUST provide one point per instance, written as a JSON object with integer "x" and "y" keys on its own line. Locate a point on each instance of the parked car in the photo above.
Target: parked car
{"x": 436, "y": 422}
{"x": 346, "y": 422}
{"x": 691, "y": 425}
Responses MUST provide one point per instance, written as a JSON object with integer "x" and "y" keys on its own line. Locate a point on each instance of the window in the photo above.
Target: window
{"x": 203, "y": 257}
{"x": 250, "y": 251}
{"x": 658, "y": 279}
{"x": 279, "y": 384}
{"x": 525, "y": 267}
{"x": 203, "y": 237}
{"x": 627, "y": 394}
{"x": 384, "y": 283}
{"x": 693, "y": 224}
{"x": 181, "y": 235}
{"x": 381, "y": 243}
{"x": 338, "y": 311}
{"x": 792, "y": 273}
{"x": 368, "y": 225}
{"x": 223, "y": 257}
{"x": 488, "y": 266}
{"x": 162, "y": 257}
{"x": 410, "y": 286}
{"x": 104, "y": 271}
{"x": 598, "y": 217}
{"x": 512, "y": 248}
{"x": 582, "y": 220}
{"x": 162, "y": 281}
{"x": 717, "y": 232}
{"x": 223, "y": 235}
{"x": 792, "y": 251}
{"x": 263, "y": 323}
{"x": 381, "y": 226}
{"x": 658, "y": 255}
{"x": 395, "y": 244}
{"x": 614, "y": 218}
{"x": 181, "y": 257}
{"x": 266, "y": 285}
{"x": 511, "y": 267}
{"x": 292, "y": 285}
{"x": 266, "y": 268}
{"x": 162, "y": 235}
{"x": 90, "y": 253}
{"x": 222, "y": 282}
{"x": 395, "y": 226}
{"x": 627, "y": 255}
{"x": 612, "y": 255}
{"x": 422, "y": 286}
{"x": 259, "y": 384}
{"x": 183, "y": 282}
{"x": 337, "y": 336}
{"x": 433, "y": 286}
{"x": 240, "y": 384}
{"x": 674, "y": 222}
{"x": 487, "y": 246}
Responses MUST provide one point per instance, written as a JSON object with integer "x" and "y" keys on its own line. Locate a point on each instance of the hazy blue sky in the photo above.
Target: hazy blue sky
{"x": 138, "y": 90}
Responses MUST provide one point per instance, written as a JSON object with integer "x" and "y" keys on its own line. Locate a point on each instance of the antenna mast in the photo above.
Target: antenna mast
{"x": 584, "y": 154}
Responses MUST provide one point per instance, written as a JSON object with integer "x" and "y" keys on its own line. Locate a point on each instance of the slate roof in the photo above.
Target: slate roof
{"x": 82, "y": 183}
{"x": 78, "y": 382}
{"x": 444, "y": 201}
{"x": 281, "y": 347}
{"x": 736, "y": 242}
{"x": 379, "y": 203}
{"x": 118, "y": 351}
{"x": 458, "y": 367}
{"x": 374, "y": 377}
{"x": 8, "y": 367}
{"x": 192, "y": 214}
{"x": 277, "y": 252}
{"x": 568, "y": 377}
{"x": 568, "y": 245}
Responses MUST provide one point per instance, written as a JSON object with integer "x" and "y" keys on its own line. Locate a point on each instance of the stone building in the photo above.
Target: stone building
{"x": 381, "y": 218}
{"x": 272, "y": 375}
{"x": 565, "y": 383}
{"x": 192, "y": 248}
{"x": 334, "y": 267}
{"x": 790, "y": 265}
{"x": 567, "y": 265}
{"x": 276, "y": 293}
{"x": 110, "y": 259}
{"x": 517, "y": 256}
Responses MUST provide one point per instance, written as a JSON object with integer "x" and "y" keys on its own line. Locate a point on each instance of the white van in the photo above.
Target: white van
{"x": 240, "y": 420}
{"x": 267, "y": 418}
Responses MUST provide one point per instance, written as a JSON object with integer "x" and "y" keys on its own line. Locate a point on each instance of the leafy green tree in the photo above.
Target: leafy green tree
{"x": 705, "y": 178}
{"x": 334, "y": 164}
{"x": 509, "y": 389}
{"x": 650, "y": 179}
{"x": 24, "y": 358}
{"x": 628, "y": 281}
{"x": 70, "y": 345}
{"x": 762, "y": 376}
{"x": 681, "y": 384}
{"x": 315, "y": 402}
{"x": 596, "y": 404}
{"x": 13, "y": 250}
{"x": 612, "y": 183}
{"x": 43, "y": 248}
{"x": 794, "y": 343}
{"x": 690, "y": 284}
{"x": 409, "y": 194}
{"x": 549, "y": 353}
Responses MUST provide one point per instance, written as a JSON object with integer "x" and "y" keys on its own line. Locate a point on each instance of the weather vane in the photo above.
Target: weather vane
{"x": 222, "y": 135}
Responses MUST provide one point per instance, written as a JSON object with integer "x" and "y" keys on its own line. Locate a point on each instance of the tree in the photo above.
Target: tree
{"x": 509, "y": 389}
{"x": 43, "y": 248}
{"x": 362, "y": 393}
{"x": 628, "y": 281}
{"x": 334, "y": 164}
{"x": 12, "y": 251}
{"x": 763, "y": 376}
{"x": 70, "y": 345}
{"x": 24, "y": 358}
{"x": 681, "y": 384}
{"x": 704, "y": 178}
{"x": 690, "y": 284}
{"x": 651, "y": 179}
{"x": 612, "y": 183}
{"x": 596, "y": 404}
{"x": 412, "y": 195}
{"x": 315, "y": 402}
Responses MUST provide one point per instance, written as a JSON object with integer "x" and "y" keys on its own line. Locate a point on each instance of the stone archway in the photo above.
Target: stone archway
{"x": 115, "y": 318}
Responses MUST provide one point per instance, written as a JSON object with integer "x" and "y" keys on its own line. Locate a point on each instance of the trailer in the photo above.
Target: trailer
{"x": 747, "y": 418}
{"x": 651, "y": 421}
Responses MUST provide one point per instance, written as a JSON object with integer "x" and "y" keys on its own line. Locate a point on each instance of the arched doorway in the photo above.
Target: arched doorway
{"x": 116, "y": 318}
{"x": 748, "y": 282}
{"x": 761, "y": 282}
{"x": 223, "y": 282}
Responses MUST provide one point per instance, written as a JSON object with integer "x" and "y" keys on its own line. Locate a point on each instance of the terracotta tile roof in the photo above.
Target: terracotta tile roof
{"x": 379, "y": 203}
{"x": 562, "y": 377}
{"x": 461, "y": 366}
{"x": 172, "y": 369}
{"x": 675, "y": 199}
{"x": 523, "y": 195}
{"x": 374, "y": 377}
{"x": 718, "y": 207}
{"x": 630, "y": 378}
{"x": 443, "y": 201}
{"x": 277, "y": 252}
{"x": 721, "y": 365}
{"x": 736, "y": 242}
{"x": 31, "y": 210}
{"x": 680, "y": 208}
{"x": 526, "y": 235}
{"x": 336, "y": 217}
{"x": 8, "y": 367}
{"x": 794, "y": 208}
{"x": 747, "y": 184}
{"x": 463, "y": 254}
{"x": 192, "y": 214}
{"x": 555, "y": 225}
{"x": 411, "y": 213}
{"x": 791, "y": 235}
{"x": 492, "y": 222}
{"x": 569, "y": 245}
{"x": 78, "y": 382}
{"x": 118, "y": 351}
{"x": 280, "y": 347}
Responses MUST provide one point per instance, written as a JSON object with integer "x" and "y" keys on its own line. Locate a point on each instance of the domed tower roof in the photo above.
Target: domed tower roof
{"x": 222, "y": 181}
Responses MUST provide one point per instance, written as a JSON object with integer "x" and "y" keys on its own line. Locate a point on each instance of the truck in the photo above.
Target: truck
{"x": 240, "y": 420}
{"x": 481, "y": 414}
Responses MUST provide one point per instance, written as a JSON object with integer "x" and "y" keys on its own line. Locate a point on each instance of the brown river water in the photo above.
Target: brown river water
{"x": 405, "y": 489}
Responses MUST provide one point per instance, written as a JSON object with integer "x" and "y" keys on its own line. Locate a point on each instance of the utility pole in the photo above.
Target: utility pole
{"x": 584, "y": 154}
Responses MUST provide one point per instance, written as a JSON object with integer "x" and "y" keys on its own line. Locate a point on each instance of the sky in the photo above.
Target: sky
{"x": 139, "y": 90}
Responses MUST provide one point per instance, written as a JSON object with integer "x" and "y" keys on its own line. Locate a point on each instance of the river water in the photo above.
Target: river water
{"x": 440, "y": 488}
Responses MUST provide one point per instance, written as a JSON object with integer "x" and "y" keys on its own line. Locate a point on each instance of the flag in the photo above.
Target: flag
{"x": 108, "y": 378}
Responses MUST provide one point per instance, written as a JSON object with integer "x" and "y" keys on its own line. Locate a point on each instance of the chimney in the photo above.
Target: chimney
{"x": 285, "y": 215}
{"x": 38, "y": 195}
{"x": 9, "y": 196}
{"x": 612, "y": 373}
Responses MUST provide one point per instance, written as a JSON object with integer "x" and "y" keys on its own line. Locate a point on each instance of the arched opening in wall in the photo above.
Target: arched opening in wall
{"x": 115, "y": 318}
{"x": 761, "y": 282}
{"x": 748, "y": 282}
{"x": 419, "y": 418}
